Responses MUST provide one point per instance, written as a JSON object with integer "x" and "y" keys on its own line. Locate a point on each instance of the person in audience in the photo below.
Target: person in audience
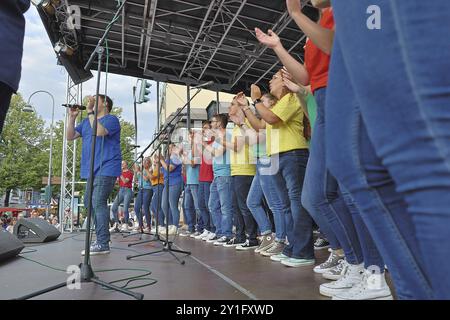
{"x": 221, "y": 198}
{"x": 173, "y": 186}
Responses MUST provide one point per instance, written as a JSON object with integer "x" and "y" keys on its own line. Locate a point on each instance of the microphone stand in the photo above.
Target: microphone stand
{"x": 168, "y": 128}
{"x": 86, "y": 272}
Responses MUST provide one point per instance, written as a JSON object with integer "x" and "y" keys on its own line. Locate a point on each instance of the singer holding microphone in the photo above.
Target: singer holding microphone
{"x": 107, "y": 165}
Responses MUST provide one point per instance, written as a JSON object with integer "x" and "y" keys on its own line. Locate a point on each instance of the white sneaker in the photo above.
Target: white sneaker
{"x": 211, "y": 238}
{"x": 173, "y": 230}
{"x": 373, "y": 287}
{"x": 146, "y": 230}
{"x": 124, "y": 227}
{"x": 203, "y": 235}
{"x": 153, "y": 230}
{"x": 114, "y": 228}
{"x": 353, "y": 275}
{"x": 195, "y": 234}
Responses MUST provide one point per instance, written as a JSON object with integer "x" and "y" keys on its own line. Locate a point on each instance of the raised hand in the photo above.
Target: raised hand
{"x": 73, "y": 112}
{"x": 269, "y": 39}
{"x": 255, "y": 92}
{"x": 241, "y": 99}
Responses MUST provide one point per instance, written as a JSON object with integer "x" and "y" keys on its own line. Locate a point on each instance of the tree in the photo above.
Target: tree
{"x": 24, "y": 149}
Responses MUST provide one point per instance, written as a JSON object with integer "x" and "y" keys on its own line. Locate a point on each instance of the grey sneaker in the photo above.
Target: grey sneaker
{"x": 336, "y": 272}
{"x": 266, "y": 243}
{"x": 332, "y": 261}
{"x": 276, "y": 249}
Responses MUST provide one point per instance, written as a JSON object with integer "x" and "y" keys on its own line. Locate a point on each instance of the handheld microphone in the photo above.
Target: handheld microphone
{"x": 206, "y": 84}
{"x": 74, "y": 106}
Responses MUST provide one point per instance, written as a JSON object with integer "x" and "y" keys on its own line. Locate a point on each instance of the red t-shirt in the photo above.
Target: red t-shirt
{"x": 317, "y": 62}
{"x": 127, "y": 175}
{"x": 206, "y": 173}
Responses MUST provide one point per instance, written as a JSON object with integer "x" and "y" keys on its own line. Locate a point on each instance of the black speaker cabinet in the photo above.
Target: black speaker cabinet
{"x": 10, "y": 246}
{"x": 35, "y": 230}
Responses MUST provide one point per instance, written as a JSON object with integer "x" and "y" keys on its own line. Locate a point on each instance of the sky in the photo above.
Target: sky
{"x": 41, "y": 72}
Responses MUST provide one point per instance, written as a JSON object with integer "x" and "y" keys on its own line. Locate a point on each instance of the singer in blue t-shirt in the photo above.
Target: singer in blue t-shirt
{"x": 107, "y": 163}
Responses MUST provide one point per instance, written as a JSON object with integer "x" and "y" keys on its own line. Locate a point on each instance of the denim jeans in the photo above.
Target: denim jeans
{"x": 143, "y": 201}
{"x": 191, "y": 205}
{"x": 322, "y": 197}
{"x": 246, "y": 227}
{"x": 156, "y": 204}
{"x": 171, "y": 198}
{"x": 125, "y": 195}
{"x": 409, "y": 130}
{"x": 263, "y": 186}
{"x": 103, "y": 186}
{"x": 203, "y": 199}
{"x": 289, "y": 183}
{"x": 221, "y": 205}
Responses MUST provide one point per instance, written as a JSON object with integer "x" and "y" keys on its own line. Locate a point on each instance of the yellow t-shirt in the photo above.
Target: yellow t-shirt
{"x": 286, "y": 135}
{"x": 154, "y": 178}
{"x": 241, "y": 162}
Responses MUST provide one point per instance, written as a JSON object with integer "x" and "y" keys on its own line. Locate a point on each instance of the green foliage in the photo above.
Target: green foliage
{"x": 24, "y": 148}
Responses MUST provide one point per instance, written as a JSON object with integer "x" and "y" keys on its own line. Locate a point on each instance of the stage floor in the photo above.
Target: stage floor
{"x": 210, "y": 273}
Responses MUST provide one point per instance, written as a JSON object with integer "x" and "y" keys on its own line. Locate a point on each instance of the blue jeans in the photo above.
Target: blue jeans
{"x": 103, "y": 186}
{"x": 263, "y": 186}
{"x": 125, "y": 195}
{"x": 417, "y": 156}
{"x": 203, "y": 199}
{"x": 221, "y": 205}
{"x": 171, "y": 198}
{"x": 246, "y": 227}
{"x": 322, "y": 197}
{"x": 143, "y": 201}
{"x": 156, "y": 204}
{"x": 191, "y": 206}
{"x": 289, "y": 183}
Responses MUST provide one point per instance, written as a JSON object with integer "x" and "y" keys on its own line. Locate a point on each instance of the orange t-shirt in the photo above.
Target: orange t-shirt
{"x": 317, "y": 62}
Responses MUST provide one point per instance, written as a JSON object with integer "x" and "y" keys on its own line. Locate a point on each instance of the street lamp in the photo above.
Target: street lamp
{"x": 29, "y": 108}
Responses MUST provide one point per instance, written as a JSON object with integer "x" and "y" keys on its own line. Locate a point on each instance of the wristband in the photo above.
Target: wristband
{"x": 256, "y": 102}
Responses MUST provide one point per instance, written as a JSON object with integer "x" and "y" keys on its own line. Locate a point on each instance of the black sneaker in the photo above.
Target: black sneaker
{"x": 321, "y": 243}
{"x": 233, "y": 243}
{"x": 248, "y": 245}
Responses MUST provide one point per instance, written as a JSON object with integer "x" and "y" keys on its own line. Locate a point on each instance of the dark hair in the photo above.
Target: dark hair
{"x": 109, "y": 102}
{"x": 206, "y": 122}
{"x": 222, "y": 118}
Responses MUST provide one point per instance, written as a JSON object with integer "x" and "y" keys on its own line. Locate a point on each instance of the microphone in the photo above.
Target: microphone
{"x": 206, "y": 84}
{"x": 74, "y": 106}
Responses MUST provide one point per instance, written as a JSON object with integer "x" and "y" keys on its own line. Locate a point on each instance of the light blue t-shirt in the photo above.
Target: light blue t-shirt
{"x": 144, "y": 183}
{"x": 192, "y": 174}
{"x": 221, "y": 164}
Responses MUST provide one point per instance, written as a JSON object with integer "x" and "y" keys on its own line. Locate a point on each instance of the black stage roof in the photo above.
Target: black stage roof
{"x": 175, "y": 41}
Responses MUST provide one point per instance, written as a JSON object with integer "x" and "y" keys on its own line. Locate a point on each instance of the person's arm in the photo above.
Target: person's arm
{"x": 124, "y": 180}
{"x": 320, "y": 36}
{"x": 72, "y": 134}
{"x": 169, "y": 167}
{"x": 294, "y": 67}
{"x": 147, "y": 177}
{"x": 214, "y": 151}
{"x": 101, "y": 130}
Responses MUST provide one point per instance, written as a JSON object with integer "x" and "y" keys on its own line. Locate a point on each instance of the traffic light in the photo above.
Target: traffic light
{"x": 144, "y": 91}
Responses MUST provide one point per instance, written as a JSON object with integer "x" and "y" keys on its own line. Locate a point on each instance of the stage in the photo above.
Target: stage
{"x": 210, "y": 273}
